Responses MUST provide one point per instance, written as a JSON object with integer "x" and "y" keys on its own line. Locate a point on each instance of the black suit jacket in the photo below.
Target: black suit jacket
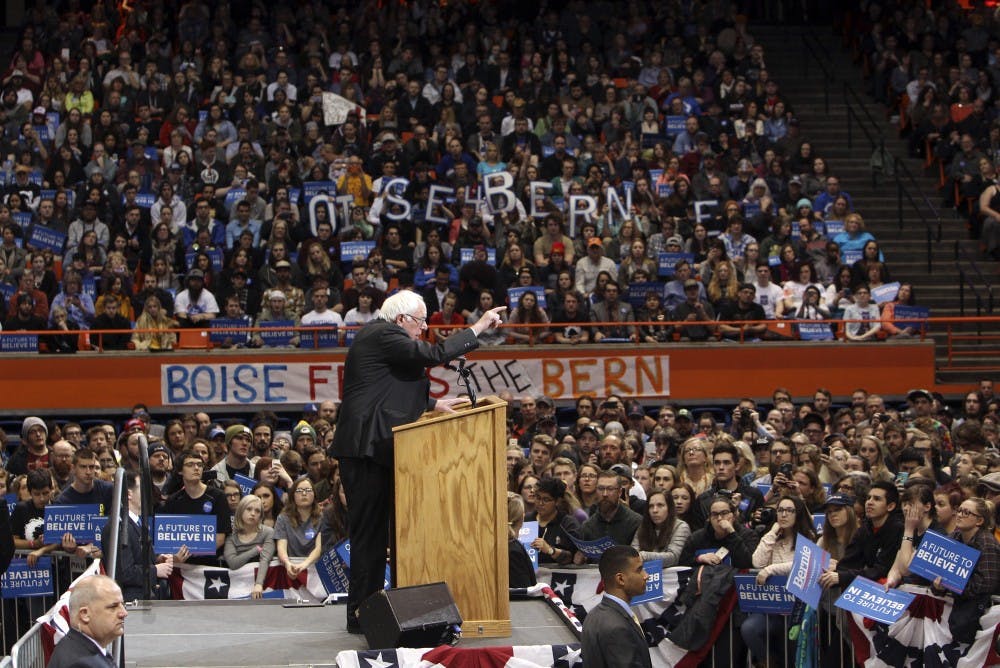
{"x": 129, "y": 566}
{"x": 385, "y": 385}
{"x": 612, "y": 639}
{"x": 76, "y": 650}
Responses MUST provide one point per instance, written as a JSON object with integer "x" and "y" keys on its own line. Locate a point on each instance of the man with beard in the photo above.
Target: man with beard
{"x": 612, "y": 518}
{"x": 61, "y": 463}
{"x": 195, "y": 306}
{"x": 724, "y": 458}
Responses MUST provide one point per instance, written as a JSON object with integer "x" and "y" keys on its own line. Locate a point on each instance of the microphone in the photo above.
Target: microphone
{"x": 457, "y": 369}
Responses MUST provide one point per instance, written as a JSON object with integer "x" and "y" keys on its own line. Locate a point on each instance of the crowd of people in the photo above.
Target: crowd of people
{"x": 160, "y": 176}
{"x": 939, "y": 74}
{"x": 675, "y": 486}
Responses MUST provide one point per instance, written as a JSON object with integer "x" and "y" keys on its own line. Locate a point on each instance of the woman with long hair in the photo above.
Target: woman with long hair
{"x": 586, "y": 485}
{"x": 764, "y": 634}
{"x": 251, "y": 540}
{"x": 519, "y": 564}
{"x": 296, "y": 532}
{"x": 334, "y": 524}
{"x": 692, "y": 465}
{"x": 270, "y": 501}
{"x": 839, "y": 527}
{"x": 527, "y": 312}
{"x": 919, "y": 516}
{"x": 153, "y": 317}
{"x": 661, "y": 535}
{"x": 872, "y": 451}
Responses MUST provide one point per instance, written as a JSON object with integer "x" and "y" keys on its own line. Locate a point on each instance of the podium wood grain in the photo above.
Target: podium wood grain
{"x": 451, "y": 511}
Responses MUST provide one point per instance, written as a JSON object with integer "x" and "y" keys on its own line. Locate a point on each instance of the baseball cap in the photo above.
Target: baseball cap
{"x": 675, "y": 240}
{"x": 39, "y": 111}
{"x": 544, "y": 400}
{"x": 158, "y": 447}
{"x": 134, "y": 423}
{"x": 276, "y": 294}
{"x": 282, "y": 264}
{"x": 238, "y": 430}
{"x": 636, "y": 412}
{"x": 991, "y": 481}
{"x": 838, "y": 500}
{"x": 558, "y": 247}
{"x": 595, "y": 241}
{"x": 196, "y": 273}
{"x": 913, "y": 395}
{"x": 683, "y": 414}
{"x": 216, "y": 431}
{"x": 690, "y": 283}
{"x": 623, "y": 470}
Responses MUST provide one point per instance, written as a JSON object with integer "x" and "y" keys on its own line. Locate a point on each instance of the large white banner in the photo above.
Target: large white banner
{"x": 628, "y": 374}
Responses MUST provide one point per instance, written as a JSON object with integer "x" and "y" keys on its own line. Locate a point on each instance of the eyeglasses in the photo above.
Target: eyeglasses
{"x": 608, "y": 490}
{"x": 587, "y": 476}
{"x": 786, "y": 511}
{"x": 232, "y": 495}
{"x": 718, "y": 514}
{"x": 688, "y": 451}
{"x": 194, "y": 465}
{"x": 845, "y": 488}
{"x": 964, "y": 512}
{"x": 305, "y": 490}
{"x": 544, "y": 499}
{"x": 419, "y": 321}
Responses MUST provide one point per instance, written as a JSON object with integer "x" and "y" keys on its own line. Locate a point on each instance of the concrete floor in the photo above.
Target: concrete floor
{"x": 264, "y": 633}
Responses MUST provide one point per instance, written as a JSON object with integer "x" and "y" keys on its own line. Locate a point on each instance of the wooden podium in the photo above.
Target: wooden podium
{"x": 451, "y": 511}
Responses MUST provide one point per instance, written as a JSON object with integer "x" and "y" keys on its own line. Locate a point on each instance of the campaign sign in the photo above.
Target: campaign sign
{"x": 664, "y": 190}
{"x": 654, "y": 583}
{"x": 24, "y": 580}
{"x": 246, "y": 483}
{"x": 294, "y": 195}
{"x": 277, "y": 332}
{"x": 214, "y": 254}
{"x": 312, "y": 188}
{"x": 171, "y": 532}
{"x": 11, "y": 500}
{"x": 528, "y": 533}
{"x": 674, "y": 125}
{"x": 45, "y": 237}
{"x": 76, "y": 520}
{"x": 911, "y": 316}
{"x": 763, "y": 488}
{"x": 869, "y": 599}
{"x": 145, "y": 200}
{"x": 234, "y": 195}
{"x": 810, "y": 562}
{"x": 815, "y": 331}
{"x": 637, "y": 292}
{"x": 342, "y": 553}
{"x": 819, "y": 519}
{"x": 351, "y": 250}
{"x": 852, "y": 256}
{"x": 885, "y": 292}
{"x": 89, "y": 287}
{"x": 466, "y": 255}
{"x": 7, "y": 290}
{"x": 333, "y": 572}
{"x": 703, "y": 209}
{"x": 666, "y": 261}
{"x": 514, "y": 294}
{"x": 833, "y": 227}
{"x": 18, "y": 343}
{"x": 770, "y": 598}
{"x": 593, "y": 549}
{"x": 941, "y": 557}
{"x": 217, "y": 330}
{"x": 325, "y": 336}
{"x": 751, "y": 209}
{"x": 655, "y": 174}
{"x": 22, "y": 218}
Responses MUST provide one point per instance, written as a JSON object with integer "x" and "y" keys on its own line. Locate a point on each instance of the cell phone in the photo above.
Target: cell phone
{"x": 722, "y": 552}
{"x": 902, "y": 477}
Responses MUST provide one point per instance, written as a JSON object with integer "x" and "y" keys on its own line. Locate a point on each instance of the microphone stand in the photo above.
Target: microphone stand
{"x": 465, "y": 379}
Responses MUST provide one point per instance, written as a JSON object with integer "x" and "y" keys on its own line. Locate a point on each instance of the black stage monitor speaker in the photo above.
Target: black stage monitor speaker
{"x": 420, "y": 616}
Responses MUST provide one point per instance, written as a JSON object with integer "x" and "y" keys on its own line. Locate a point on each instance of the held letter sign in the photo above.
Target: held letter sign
{"x": 24, "y": 580}
{"x": 77, "y": 520}
{"x": 654, "y": 582}
{"x": 770, "y": 598}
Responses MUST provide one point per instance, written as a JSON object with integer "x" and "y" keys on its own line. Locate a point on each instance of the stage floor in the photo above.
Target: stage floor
{"x": 263, "y": 633}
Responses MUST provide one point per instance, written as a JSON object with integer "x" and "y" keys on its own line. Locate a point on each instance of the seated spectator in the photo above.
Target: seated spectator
{"x": 873, "y": 549}
{"x": 365, "y": 311}
{"x": 66, "y": 339}
{"x": 854, "y": 237}
{"x": 111, "y": 318}
{"x": 276, "y": 312}
{"x": 744, "y": 309}
{"x": 694, "y": 309}
{"x": 615, "y": 315}
{"x": 651, "y": 313}
{"x": 904, "y": 297}
{"x": 251, "y": 541}
{"x": 195, "y": 306}
{"x": 794, "y": 289}
{"x": 527, "y": 312}
{"x": 440, "y": 321}
{"x": 865, "y": 315}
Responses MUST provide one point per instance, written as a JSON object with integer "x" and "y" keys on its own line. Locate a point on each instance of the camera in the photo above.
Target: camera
{"x": 768, "y": 516}
{"x": 785, "y": 470}
{"x": 728, "y": 493}
{"x": 744, "y": 418}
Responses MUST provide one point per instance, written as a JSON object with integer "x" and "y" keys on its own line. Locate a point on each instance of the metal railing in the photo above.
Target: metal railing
{"x": 858, "y": 116}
